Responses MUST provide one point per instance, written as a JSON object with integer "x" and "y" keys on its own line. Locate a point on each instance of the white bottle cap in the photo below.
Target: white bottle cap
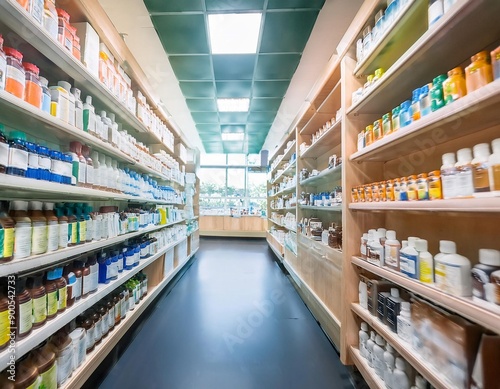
{"x": 103, "y": 114}
{"x": 421, "y": 245}
{"x": 394, "y": 292}
{"x": 379, "y": 340}
{"x": 372, "y": 335}
{"x": 391, "y": 235}
{"x": 364, "y": 326}
{"x": 447, "y": 247}
{"x": 482, "y": 150}
{"x": 400, "y": 363}
{"x": 112, "y": 116}
{"x": 365, "y": 235}
{"x": 48, "y": 206}
{"x": 449, "y": 159}
{"x": 35, "y": 205}
{"x": 371, "y": 235}
{"x": 420, "y": 382}
{"x": 19, "y": 205}
{"x": 382, "y": 232}
{"x": 372, "y": 231}
{"x": 412, "y": 240}
{"x": 464, "y": 155}
{"x": 404, "y": 244}
{"x": 389, "y": 348}
{"x": 65, "y": 85}
{"x": 489, "y": 257}
{"x": 495, "y": 145}
{"x": 405, "y": 306}
{"x": 88, "y": 100}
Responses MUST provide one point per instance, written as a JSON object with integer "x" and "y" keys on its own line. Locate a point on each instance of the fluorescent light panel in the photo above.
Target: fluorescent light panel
{"x": 233, "y": 136}
{"x": 234, "y": 33}
{"x": 233, "y": 105}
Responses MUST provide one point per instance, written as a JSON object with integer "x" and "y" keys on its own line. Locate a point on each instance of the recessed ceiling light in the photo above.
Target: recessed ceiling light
{"x": 234, "y": 33}
{"x": 233, "y": 136}
{"x": 233, "y": 105}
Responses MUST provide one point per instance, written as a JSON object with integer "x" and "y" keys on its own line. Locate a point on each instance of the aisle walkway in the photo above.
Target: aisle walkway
{"x": 233, "y": 321}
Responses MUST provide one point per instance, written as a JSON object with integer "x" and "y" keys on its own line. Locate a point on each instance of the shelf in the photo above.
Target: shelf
{"x": 325, "y": 112}
{"x": 405, "y": 29}
{"x": 337, "y": 208}
{"x": 284, "y": 191}
{"x": 282, "y": 225}
{"x": 43, "y": 260}
{"x": 468, "y": 115}
{"x": 403, "y": 348}
{"x": 93, "y": 359}
{"x": 372, "y": 379}
{"x": 284, "y": 209}
{"x": 19, "y": 21}
{"x": 23, "y": 346}
{"x": 331, "y": 138}
{"x": 487, "y": 205}
{"x": 478, "y": 311}
{"x": 286, "y": 155}
{"x": 287, "y": 172}
{"x": 14, "y": 187}
{"x": 325, "y": 177}
{"x": 434, "y": 53}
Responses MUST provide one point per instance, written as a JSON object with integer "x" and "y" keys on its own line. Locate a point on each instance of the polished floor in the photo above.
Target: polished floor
{"x": 232, "y": 321}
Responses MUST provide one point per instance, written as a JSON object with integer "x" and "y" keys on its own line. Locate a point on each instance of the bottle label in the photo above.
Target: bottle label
{"x": 37, "y": 13}
{"x": 25, "y": 313}
{"x": 4, "y": 151}
{"x": 435, "y": 12}
{"x": 8, "y": 241}
{"x": 44, "y": 162}
{"x": 111, "y": 271}
{"x": 97, "y": 331}
{"x": 22, "y": 242}
{"x": 129, "y": 261}
{"x": 392, "y": 256}
{"x": 4, "y": 327}
{"x": 33, "y": 161}
{"x": 404, "y": 329}
{"x": 52, "y": 303}
{"x": 62, "y": 298}
{"x": 90, "y": 230}
{"x": 49, "y": 378}
{"x": 64, "y": 365}
{"x": 82, "y": 229}
{"x": 449, "y": 279}
{"x": 52, "y": 237}
{"x": 18, "y": 158}
{"x": 3, "y": 67}
{"x": 39, "y": 240}
{"x": 124, "y": 307}
{"x": 77, "y": 288}
{"x": 15, "y": 74}
{"x": 94, "y": 271}
{"x": 90, "y": 175}
{"x": 408, "y": 265}
{"x": 87, "y": 284}
{"x": 111, "y": 317}
{"x": 465, "y": 183}
{"x": 494, "y": 177}
{"x": 82, "y": 172}
{"x": 63, "y": 235}
{"x": 90, "y": 338}
{"x": 40, "y": 309}
{"x": 73, "y": 233}
{"x": 426, "y": 270}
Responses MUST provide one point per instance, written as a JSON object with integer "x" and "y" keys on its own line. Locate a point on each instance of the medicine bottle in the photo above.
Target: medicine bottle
{"x": 73, "y": 235}
{"x": 449, "y": 176}
{"x": 425, "y": 100}
{"x": 23, "y": 230}
{"x": 409, "y": 259}
{"x": 27, "y": 375}
{"x": 14, "y": 74}
{"x": 97, "y": 319}
{"x": 3, "y": 64}
{"x": 78, "y": 108}
{"x": 86, "y": 322}
{"x": 39, "y": 297}
{"x": 62, "y": 289}
{"x": 479, "y": 73}
{"x": 436, "y": 93}
{"x": 435, "y": 187}
{"x": 405, "y": 114}
{"x": 33, "y": 86}
{"x": 454, "y": 87}
{"x": 18, "y": 154}
{"x": 415, "y": 113}
{"x": 392, "y": 248}
{"x": 465, "y": 180}
{"x": 378, "y": 356}
{"x": 370, "y": 344}
{"x": 52, "y": 294}
{"x": 4, "y": 315}
{"x": 7, "y": 233}
{"x": 64, "y": 232}
{"x": 44, "y": 359}
{"x": 102, "y": 309}
{"x": 63, "y": 348}
{"x": 480, "y": 167}
{"x": 94, "y": 272}
{"x": 363, "y": 338}
{"x": 435, "y": 11}
{"x": 71, "y": 101}
{"x": 489, "y": 262}
{"x": 23, "y": 322}
{"x": 39, "y": 241}
{"x": 452, "y": 271}
{"x": 89, "y": 178}
{"x": 4, "y": 150}
{"x": 377, "y": 130}
{"x": 400, "y": 378}
{"x": 88, "y": 279}
{"x": 50, "y": 19}
{"x": 70, "y": 279}
{"x": 426, "y": 263}
{"x": 79, "y": 343}
{"x": 405, "y": 328}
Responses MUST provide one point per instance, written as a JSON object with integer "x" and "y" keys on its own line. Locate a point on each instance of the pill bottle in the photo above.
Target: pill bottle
{"x": 479, "y": 73}
{"x": 38, "y": 295}
{"x": 33, "y": 86}
{"x": 481, "y": 168}
{"x": 14, "y": 74}
{"x": 3, "y": 64}
{"x": 454, "y": 86}
{"x": 23, "y": 230}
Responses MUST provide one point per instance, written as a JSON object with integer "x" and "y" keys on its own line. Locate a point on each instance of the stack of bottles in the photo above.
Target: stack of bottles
{"x": 443, "y": 90}
{"x": 323, "y": 199}
{"x": 288, "y": 182}
{"x": 371, "y": 81}
{"x": 279, "y": 158}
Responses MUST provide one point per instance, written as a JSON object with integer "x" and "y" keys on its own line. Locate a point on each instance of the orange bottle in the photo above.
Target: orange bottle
{"x": 33, "y": 86}
{"x": 14, "y": 75}
{"x": 479, "y": 73}
{"x": 25, "y": 4}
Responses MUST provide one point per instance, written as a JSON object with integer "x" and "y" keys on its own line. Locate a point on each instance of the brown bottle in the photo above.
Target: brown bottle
{"x": 87, "y": 324}
{"x": 111, "y": 313}
{"x": 117, "y": 303}
{"x": 52, "y": 296}
{"x": 87, "y": 279}
{"x": 4, "y": 315}
{"x": 7, "y": 231}
{"x": 26, "y": 373}
{"x": 94, "y": 273}
{"x": 62, "y": 292}
{"x": 44, "y": 359}
{"x": 39, "y": 239}
{"x": 23, "y": 317}
{"x": 63, "y": 348}
{"x": 4, "y": 150}
{"x": 52, "y": 227}
{"x": 39, "y": 296}
{"x": 78, "y": 269}
{"x": 22, "y": 241}
{"x": 96, "y": 318}
{"x": 70, "y": 279}
{"x": 103, "y": 312}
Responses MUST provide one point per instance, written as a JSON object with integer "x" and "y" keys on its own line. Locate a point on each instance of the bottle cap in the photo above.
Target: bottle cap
{"x": 389, "y": 348}
{"x": 400, "y": 363}
{"x": 391, "y": 235}
{"x": 29, "y": 67}
{"x": 394, "y": 292}
{"x": 364, "y": 326}
{"x": 405, "y": 306}
{"x": 404, "y": 243}
{"x": 412, "y": 240}
{"x": 19, "y": 205}
{"x": 379, "y": 340}
{"x": 420, "y": 382}
{"x": 35, "y": 205}
{"x": 489, "y": 257}
{"x": 372, "y": 231}
{"x": 372, "y": 335}
{"x": 449, "y": 159}
{"x": 382, "y": 232}
{"x": 447, "y": 247}
{"x": 405, "y": 105}
{"x": 481, "y": 150}
{"x": 421, "y": 245}
{"x": 88, "y": 100}
{"x": 464, "y": 155}
{"x": 65, "y": 85}
{"x": 365, "y": 235}
{"x": 495, "y": 145}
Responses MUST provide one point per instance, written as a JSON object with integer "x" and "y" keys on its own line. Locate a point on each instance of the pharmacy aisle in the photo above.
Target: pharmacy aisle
{"x": 233, "y": 321}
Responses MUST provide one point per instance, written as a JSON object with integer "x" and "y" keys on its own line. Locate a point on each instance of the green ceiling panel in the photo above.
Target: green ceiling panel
{"x": 233, "y": 89}
{"x": 270, "y": 88}
{"x": 261, "y": 117}
{"x": 255, "y": 128}
{"x": 208, "y": 128}
{"x": 294, "y": 4}
{"x": 182, "y": 34}
{"x": 201, "y": 105}
{"x": 173, "y": 6}
{"x": 233, "y": 67}
{"x": 197, "y": 89}
{"x": 233, "y": 117}
{"x": 276, "y": 66}
{"x": 234, "y": 5}
{"x": 233, "y": 128}
{"x": 205, "y": 117}
{"x": 256, "y": 137}
{"x": 213, "y": 147}
{"x": 193, "y": 67}
{"x": 233, "y": 147}
{"x": 298, "y": 26}
{"x": 210, "y": 137}
{"x": 271, "y": 104}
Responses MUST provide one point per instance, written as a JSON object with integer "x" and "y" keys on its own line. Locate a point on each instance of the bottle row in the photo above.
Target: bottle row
{"x": 313, "y": 228}
{"x": 284, "y": 202}
{"x": 321, "y": 131}
{"x": 447, "y": 342}
{"x": 448, "y": 271}
{"x": 323, "y": 199}
{"x": 288, "y": 182}
{"x": 465, "y": 178}
{"x": 34, "y": 228}
{"x": 52, "y": 363}
{"x": 288, "y": 220}
{"x": 431, "y": 97}
{"x": 333, "y": 162}
{"x": 278, "y": 159}
{"x": 280, "y": 171}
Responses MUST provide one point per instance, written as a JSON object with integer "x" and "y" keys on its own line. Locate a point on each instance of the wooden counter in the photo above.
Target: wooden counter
{"x": 244, "y": 226}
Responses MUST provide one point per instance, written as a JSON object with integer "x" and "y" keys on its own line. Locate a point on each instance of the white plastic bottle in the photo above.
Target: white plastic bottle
{"x": 382, "y": 232}
{"x": 89, "y": 119}
{"x": 480, "y": 167}
{"x": 113, "y": 136}
{"x": 104, "y": 171}
{"x": 409, "y": 259}
{"x": 405, "y": 326}
{"x": 392, "y": 248}
{"x": 375, "y": 249}
{"x": 110, "y": 174}
{"x": 452, "y": 271}
{"x": 420, "y": 383}
{"x": 494, "y": 163}
{"x": 465, "y": 187}
{"x": 363, "y": 338}
{"x": 426, "y": 263}
{"x": 97, "y": 170}
{"x": 370, "y": 343}
{"x": 390, "y": 361}
{"x": 364, "y": 241}
{"x": 71, "y": 98}
{"x": 449, "y": 176}
{"x": 378, "y": 355}
{"x": 116, "y": 175}
{"x": 400, "y": 378}
{"x": 107, "y": 126}
{"x": 78, "y": 108}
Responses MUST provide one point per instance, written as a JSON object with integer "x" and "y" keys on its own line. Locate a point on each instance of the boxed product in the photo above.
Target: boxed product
{"x": 89, "y": 42}
{"x": 169, "y": 262}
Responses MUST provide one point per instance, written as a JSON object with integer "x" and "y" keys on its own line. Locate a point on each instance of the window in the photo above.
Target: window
{"x": 213, "y": 182}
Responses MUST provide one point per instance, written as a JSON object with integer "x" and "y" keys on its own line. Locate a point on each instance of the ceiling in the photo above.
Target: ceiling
{"x": 263, "y": 77}
{"x": 186, "y": 79}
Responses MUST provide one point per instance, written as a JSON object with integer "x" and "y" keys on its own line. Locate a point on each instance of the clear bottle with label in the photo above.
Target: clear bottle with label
{"x": 378, "y": 357}
{"x": 489, "y": 262}
{"x": 7, "y": 234}
{"x": 39, "y": 238}
{"x": 82, "y": 223}
{"x": 111, "y": 179}
{"x": 18, "y": 154}
{"x": 465, "y": 178}
{"x": 35, "y": 287}
{"x": 480, "y": 167}
{"x": 23, "y": 229}
{"x": 452, "y": 271}
{"x": 409, "y": 259}
{"x": 107, "y": 126}
{"x": 426, "y": 263}
{"x": 104, "y": 172}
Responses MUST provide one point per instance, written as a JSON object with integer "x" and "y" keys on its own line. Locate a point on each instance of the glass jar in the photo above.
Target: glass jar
{"x": 14, "y": 74}
{"x": 437, "y": 95}
{"x": 39, "y": 297}
{"x": 479, "y": 73}
{"x": 3, "y": 64}
{"x": 454, "y": 87}
{"x": 33, "y": 86}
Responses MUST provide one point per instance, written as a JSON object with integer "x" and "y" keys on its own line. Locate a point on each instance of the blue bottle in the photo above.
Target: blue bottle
{"x": 404, "y": 115}
{"x": 104, "y": 268}
{"x": 18, "y": 154}
{"x": 44, "y": 163}
{"x": 425, "y": 101}
{"x": 33, "y": 170}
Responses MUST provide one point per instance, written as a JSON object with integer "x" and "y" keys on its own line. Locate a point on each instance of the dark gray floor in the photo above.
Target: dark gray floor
{"x": 233, "y": 321}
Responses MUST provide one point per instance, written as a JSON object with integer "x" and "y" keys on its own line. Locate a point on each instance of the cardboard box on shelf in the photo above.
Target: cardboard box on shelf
{"x": 89, "y": 42}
